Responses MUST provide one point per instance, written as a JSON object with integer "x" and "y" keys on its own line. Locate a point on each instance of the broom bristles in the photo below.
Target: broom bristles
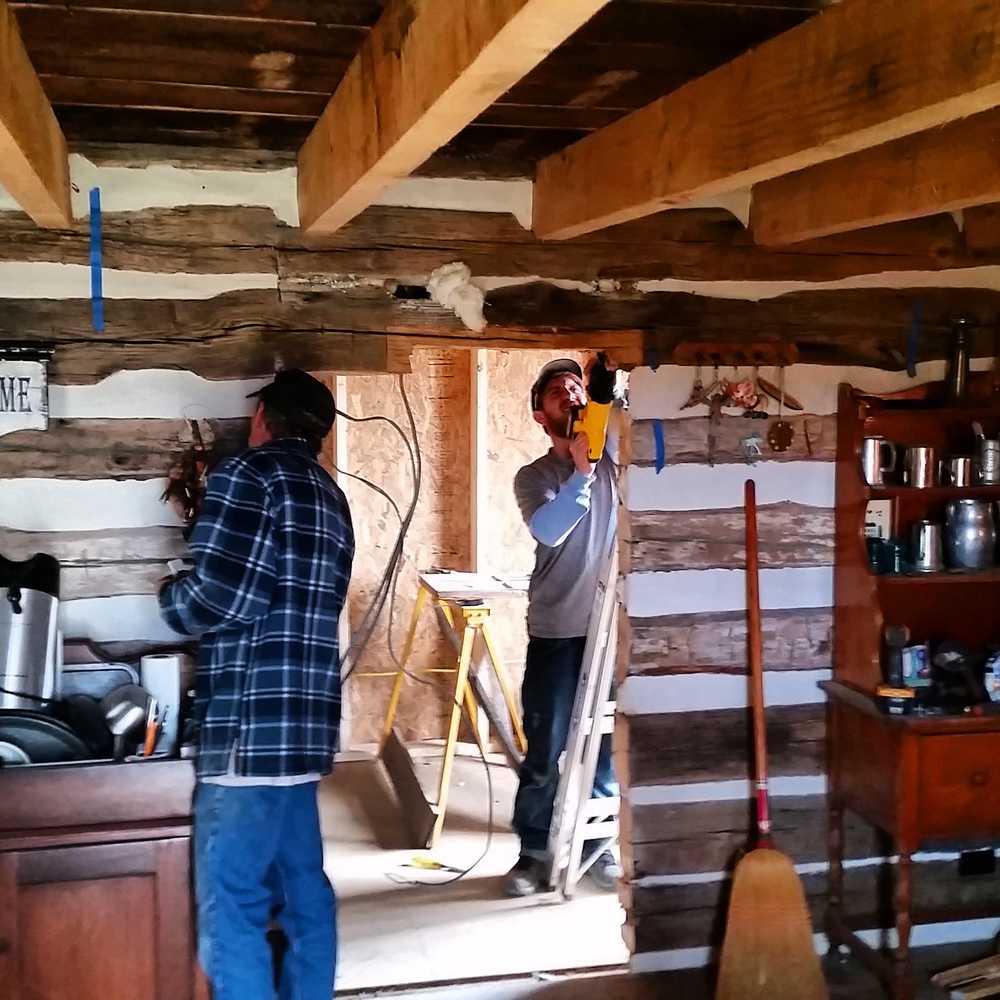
{"x": 768, "y": 952}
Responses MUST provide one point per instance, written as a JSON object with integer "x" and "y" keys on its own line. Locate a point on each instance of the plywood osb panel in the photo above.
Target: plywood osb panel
{"x": 439, "y": 391}
{"x": 513, "y": 439}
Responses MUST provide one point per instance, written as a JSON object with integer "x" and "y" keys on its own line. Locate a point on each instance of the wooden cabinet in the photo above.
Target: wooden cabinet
{"x": 95, "y": 889}
{"x": 926, "y": 781}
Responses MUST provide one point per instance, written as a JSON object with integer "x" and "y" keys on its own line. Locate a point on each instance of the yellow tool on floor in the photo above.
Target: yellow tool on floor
{"x": 461, "y": 599}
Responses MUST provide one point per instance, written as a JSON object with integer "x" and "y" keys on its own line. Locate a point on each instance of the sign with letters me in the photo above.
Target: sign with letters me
{"x": 24, "y": 394}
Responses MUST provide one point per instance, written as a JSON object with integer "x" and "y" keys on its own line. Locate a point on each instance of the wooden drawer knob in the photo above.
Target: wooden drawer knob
{"x": 4, "y": 946}
{"x": 978, "y": 779}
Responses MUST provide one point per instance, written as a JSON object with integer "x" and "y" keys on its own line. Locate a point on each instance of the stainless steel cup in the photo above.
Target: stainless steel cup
{"x": 921, "y": 466}
{"x": 928, "y": 556}
{"x": 989, "y": 462}
{"x": 957, "y": 470}
{"x": 878, "y": 457}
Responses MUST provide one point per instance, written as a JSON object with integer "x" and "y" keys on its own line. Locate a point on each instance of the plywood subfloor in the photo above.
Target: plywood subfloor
{"x": 397, "y": 934}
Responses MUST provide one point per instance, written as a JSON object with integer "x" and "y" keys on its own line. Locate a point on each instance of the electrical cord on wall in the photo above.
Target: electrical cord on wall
{"x": 387, "y": 589}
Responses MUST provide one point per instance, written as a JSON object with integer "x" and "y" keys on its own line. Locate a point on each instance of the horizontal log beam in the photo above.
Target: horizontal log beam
{"x": 686, "y": 916}
{"x": 716, "y": 642}
{"x": 943, "y": 170}
{"x": 422, "y": 74}
{"x": 790, "y": 535}
{"x": 247, "y": 333}
{"x": 688, "y": 837}
{"x": 845, "y": 326}
{"x": 686, "y": 439}
{"x": 883, "y": 72}
{"x": 102, "y": 563}
{"x": 110, "y": 449}
{"x": 406, "y": 244}
{"x": 681, "y": 747}
{"x": 34, "y": 166}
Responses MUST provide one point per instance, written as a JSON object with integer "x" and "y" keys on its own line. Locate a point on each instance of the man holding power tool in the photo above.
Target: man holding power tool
{"x": 568, "y": 499}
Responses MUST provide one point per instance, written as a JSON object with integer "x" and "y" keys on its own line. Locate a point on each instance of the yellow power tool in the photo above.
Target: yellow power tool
{"x": 593, "y": 418}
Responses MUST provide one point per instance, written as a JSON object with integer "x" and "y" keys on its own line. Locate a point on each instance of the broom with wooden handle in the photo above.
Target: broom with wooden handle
{"x": 768, "y": 952}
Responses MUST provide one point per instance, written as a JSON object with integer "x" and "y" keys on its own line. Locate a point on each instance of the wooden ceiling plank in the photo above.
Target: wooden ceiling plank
{"x": 422, "y": 75}
{"x": 857, "y": 75}
{"x": 942, "y": 170}
{"x": 34, "y": 166}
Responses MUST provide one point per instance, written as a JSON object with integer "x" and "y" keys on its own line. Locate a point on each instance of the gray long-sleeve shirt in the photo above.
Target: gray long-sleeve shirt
{"x": 572, "y": 517}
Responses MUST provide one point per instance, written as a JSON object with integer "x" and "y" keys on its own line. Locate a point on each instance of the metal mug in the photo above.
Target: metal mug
{"x": 989, "y": 462}
{"x": 920, "y": 470}
{"x": 873, "y": 464}
{"x": 957, "y": 470}
{"x": 927, "y": 555}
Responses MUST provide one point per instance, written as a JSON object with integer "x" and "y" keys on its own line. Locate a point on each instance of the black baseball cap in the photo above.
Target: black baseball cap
{"x": 303, "y": 400}
{"x": 561, "y": 366}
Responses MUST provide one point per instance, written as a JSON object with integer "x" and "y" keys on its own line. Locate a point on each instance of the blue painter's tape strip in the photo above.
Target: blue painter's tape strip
{"x": 913, "y": 340}
{"x": 661, "y": 448}
{"x": 96, "y": 276}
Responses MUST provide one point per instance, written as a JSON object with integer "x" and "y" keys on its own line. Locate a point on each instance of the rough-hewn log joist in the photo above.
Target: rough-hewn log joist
{"x": 424, "y": 72}
{"x": 33, "y": 163}
{"x": 942, "y": 170}
{"x": 859, "y": 74}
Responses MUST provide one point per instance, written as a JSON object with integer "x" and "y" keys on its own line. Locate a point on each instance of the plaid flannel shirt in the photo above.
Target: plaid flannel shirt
{"x": 272, "y": 551}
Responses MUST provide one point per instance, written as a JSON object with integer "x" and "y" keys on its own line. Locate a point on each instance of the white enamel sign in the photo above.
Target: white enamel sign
{"x": 24, "y": 396}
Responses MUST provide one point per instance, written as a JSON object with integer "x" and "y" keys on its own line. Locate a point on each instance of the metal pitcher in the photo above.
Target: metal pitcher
{"x": 878, "y": 457}
{"x": 970, "y": 535}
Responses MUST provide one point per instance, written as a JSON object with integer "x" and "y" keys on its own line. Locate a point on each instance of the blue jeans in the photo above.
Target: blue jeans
{"x": 257, "y": 847}
{"x": 551, "y": 674}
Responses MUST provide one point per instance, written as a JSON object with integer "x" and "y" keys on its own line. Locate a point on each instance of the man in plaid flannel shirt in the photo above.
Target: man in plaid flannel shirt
{"x": 272, "y": 548}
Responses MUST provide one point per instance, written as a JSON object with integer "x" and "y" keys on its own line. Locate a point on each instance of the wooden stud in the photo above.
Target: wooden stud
{"x": 857, "y": 75}
{"x": 942, "y": 170}
{"x": 34, "y": 166}
{"x": 423, "y": 73}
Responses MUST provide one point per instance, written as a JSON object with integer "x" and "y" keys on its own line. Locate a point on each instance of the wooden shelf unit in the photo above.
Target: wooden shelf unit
{"x": 924, "y": 781}
{"x": 866, "y": 602}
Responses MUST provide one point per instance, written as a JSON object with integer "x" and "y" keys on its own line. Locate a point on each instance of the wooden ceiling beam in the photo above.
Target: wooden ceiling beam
{"x": 423, "y": 73}
{"x": 34, "y": 166}
{"x": 857, "y": 75}
{"x": 943, "y": 170}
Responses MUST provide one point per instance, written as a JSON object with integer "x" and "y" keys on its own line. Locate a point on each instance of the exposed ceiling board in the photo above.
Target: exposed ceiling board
{"x": 34, "y": 167}
{"x": 859, "y": 74}
{"x": 942, "y": 170}
{"x": 243, "y": 73}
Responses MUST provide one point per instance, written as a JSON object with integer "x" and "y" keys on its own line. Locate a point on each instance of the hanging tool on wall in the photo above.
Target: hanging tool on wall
{"x": 186, "y": 477}
{"x": 781, "y": 433}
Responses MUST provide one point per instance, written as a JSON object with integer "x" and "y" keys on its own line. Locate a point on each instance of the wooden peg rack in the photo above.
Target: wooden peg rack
{"x": 726, "y": 353}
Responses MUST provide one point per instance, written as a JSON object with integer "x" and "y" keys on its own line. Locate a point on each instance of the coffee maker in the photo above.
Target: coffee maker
{"x": 29, "y": 637}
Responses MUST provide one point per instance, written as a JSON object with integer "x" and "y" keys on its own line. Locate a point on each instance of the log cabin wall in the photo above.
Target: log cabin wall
{"x": 196, "y": 248}
{"x": 682, "y": 742}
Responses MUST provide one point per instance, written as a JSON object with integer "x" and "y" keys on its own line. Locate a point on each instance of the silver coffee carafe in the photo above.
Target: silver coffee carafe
{"x": 29, "y": 637}
{"x": 970, "y": 535}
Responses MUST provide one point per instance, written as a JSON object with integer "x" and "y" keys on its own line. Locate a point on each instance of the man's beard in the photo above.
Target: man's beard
{"x": 563, "y": 427}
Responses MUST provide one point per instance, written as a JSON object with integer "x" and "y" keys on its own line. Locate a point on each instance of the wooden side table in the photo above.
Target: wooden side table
{"x": 924, "y": 781}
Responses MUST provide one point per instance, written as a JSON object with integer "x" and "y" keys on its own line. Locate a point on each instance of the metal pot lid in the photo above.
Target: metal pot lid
{"x": 44, "y": 739}
{"x": 11, "y": 754}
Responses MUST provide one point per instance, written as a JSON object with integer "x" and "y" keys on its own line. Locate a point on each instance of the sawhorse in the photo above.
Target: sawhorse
{"x": 461, "y": 600}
